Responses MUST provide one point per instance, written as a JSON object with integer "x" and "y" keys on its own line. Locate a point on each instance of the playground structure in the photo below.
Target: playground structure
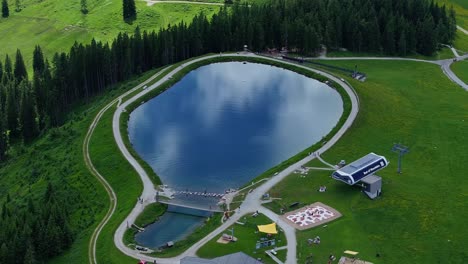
{"x": 311, "y": 216}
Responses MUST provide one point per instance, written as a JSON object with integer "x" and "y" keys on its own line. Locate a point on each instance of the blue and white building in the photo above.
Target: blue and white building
{"x": 362, "y": 171}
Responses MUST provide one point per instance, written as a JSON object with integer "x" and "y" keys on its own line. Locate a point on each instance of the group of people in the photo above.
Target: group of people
{"x": 316, "y": 240}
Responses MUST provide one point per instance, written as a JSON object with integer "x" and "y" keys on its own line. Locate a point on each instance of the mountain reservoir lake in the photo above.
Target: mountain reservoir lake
{"x": 221, "y": 126}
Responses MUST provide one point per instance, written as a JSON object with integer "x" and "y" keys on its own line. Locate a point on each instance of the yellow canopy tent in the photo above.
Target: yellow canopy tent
{"x": 269, "y": 229}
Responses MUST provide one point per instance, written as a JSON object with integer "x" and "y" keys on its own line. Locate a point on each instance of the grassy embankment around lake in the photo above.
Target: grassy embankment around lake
{"x": 419, "y": 217}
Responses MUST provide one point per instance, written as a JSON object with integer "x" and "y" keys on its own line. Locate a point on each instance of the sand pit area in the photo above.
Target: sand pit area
{"x": 311, "y": 216}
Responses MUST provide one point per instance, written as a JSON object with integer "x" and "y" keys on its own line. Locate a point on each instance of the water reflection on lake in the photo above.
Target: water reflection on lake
{"x": 225, "y": 123}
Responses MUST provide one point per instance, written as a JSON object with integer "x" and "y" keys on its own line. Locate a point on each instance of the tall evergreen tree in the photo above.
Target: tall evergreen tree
{"x": 11, "y": 108}
{"x": 427, "y": 36}
{"x": 129, "y": 10}
{"x": 452, "y": 24}
{"x": 4, "y": 253}
{"x": 20, "y": 72}
{"x": 38, "y": 60}
{"x": 27, "y": 118}
{"x": 30, "y": 255}
{"x": 402, "y": 49}
{"x": 3, "y": 141}
{"x": 8, "y": 71}
{"x": 5, "y": 9}
{"x": 84, "y": 7}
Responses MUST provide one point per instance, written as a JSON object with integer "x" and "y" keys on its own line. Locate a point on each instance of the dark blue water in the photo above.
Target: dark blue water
{"x": 169, "y": 226}
{"x": 224, "y": 124}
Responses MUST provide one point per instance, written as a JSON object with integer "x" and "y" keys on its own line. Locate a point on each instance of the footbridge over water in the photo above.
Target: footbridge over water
{"x": 208, "y": 208}
{"x": 209, "y": 201}
{"x": 204, "y": 194}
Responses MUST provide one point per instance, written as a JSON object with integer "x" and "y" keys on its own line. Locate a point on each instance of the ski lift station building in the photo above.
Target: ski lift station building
{"x": 362, "y": 170}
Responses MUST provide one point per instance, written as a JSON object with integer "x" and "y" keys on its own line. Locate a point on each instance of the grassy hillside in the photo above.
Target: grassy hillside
{"x": 461, "y": 7}
{"x": 461, "y": 41}
{"x": 57, "y": 157}
{"x": 420, "y": 216}
{"x": 461, "y": 70}
{"x": 55, "y": 25}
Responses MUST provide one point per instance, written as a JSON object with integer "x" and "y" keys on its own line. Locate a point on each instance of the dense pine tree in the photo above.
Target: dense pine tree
{"x": 5, "y": 9}
{"x": 129, "y": 10}
{"x": 32, "y": 236}
{"x": 27, "y": 117}
{"x": 3, "y": 140}
{"x": 20, "y": 72}
{"x": 7, "y": 75}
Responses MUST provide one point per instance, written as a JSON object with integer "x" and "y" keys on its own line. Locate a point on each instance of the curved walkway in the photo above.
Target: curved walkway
{"x": 462, "y": 30}
{"x": 89, "y": 164}
{"x": 448, "y": 71}
{"x": 252, "y": 200}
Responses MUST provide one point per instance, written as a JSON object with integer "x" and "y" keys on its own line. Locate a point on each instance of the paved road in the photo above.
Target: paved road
{"x": 252, "y": 200}
{"x": 445, "y": 65}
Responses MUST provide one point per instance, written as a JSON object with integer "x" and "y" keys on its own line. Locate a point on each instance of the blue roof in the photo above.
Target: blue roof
{"x": 355, "y": 171}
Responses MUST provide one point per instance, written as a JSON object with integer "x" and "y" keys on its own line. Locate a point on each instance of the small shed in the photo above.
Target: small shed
{"x": 372, "y": 186}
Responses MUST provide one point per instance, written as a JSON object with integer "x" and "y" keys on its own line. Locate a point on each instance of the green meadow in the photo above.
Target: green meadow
{"x": 55, "y": 25}
{"x": 461, "y": 8}
{"x": 419, "y": 217}
{"x": 460, "y": 68}
{"x": 247, "y": 235}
